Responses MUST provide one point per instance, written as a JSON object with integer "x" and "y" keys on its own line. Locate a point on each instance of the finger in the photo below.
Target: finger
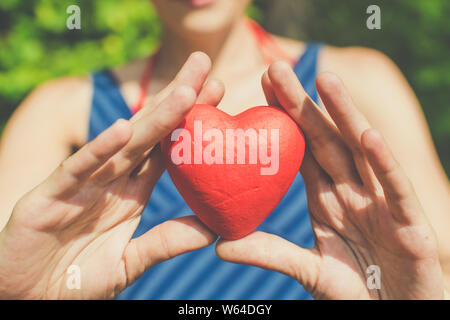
{"x": 316, "y": 180}
{"x": 192, "y": 74}
{"x": 152, "y": 167}
{"x": 80, "y": 166}
{"x": 268, "y": 91}
{"x": 147, "y": 174}
{"x": 212, "y": 93}
{"x": 165, "y": 241}
{"x": 349, "y": 120}
{"x": 148, "y": 131}
{"x": 271, "y": 252}
{"x": 322, "y": 136}
{"x": 397, "y": 188}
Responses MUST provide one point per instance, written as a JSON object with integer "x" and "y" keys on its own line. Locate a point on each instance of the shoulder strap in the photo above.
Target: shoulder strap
{"x": 145, "y": 81}
{"x": 108, "y": 104}
{"x": 306, "y": 69}
{"x": 270, "y": 50}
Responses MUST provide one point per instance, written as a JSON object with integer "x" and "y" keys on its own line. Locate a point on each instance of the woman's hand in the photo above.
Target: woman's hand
{"x": 363, "y": 208}
{"x": 86, "y": 212}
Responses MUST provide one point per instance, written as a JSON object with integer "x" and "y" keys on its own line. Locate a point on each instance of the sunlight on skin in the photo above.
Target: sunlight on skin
{"x": 355, "y": 225}
{"x": 85, "y": 213}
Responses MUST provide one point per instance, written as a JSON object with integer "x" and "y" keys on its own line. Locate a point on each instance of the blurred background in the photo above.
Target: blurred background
{"x": 36, "y": 46}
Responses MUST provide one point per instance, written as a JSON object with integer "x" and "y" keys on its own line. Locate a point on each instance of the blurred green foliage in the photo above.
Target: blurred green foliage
{"x": 35, "y": 44}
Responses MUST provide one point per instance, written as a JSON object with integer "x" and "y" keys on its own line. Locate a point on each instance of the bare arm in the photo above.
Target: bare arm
{"x": 386, "y": 99}
{"x": 39, "y": 135}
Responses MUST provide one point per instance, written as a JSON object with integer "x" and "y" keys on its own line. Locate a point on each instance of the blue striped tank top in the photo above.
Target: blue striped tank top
{"x": 201, "y": 274}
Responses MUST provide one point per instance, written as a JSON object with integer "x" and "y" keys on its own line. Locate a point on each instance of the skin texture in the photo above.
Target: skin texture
{"x": 85, "y": 213}
{"x": 362, "y": 206}
{"x": 54, "y": 118}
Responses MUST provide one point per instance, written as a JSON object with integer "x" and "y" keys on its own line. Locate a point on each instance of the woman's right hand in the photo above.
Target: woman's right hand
{"x": 86, "y": 212}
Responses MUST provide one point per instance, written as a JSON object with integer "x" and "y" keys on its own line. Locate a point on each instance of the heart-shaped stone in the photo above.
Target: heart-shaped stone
{"x": 233, "y": 171}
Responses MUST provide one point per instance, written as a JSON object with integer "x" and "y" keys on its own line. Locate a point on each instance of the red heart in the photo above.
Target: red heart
{"x": 232, "y": 198}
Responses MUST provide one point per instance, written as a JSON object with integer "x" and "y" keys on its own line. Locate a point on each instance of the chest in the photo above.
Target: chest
{"x": 242, "y": 93}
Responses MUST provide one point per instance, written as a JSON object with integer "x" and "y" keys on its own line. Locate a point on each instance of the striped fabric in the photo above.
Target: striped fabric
{"x": 200, "y": 274}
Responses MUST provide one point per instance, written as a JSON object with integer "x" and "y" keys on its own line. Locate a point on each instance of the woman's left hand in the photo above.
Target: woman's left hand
{"x": 363, "y": 209}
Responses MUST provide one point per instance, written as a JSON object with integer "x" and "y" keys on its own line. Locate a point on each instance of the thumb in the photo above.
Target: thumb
{"x": 165, "y": 241}
{"x": 271, "y": 252}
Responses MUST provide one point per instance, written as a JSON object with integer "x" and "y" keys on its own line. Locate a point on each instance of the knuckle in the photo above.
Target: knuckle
{"x": 63, "y": 167}
{"x": 162, "y": 125}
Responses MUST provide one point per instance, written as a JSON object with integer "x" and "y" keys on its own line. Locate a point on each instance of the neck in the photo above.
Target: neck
{"x": 232, "y": 51}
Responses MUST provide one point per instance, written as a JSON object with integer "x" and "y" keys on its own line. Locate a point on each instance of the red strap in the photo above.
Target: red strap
{"x": 268, "y": 46}
{"x": 267, "y": 43}
{"x": 145, "y": 82}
